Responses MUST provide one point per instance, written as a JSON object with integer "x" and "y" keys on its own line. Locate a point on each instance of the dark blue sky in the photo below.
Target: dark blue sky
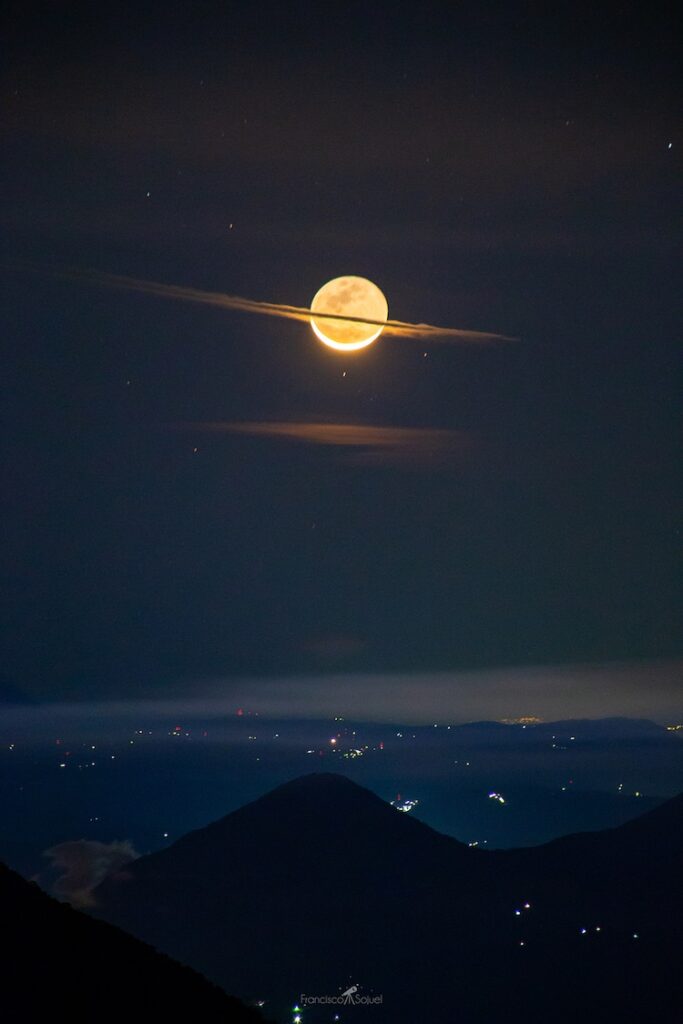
{"x": 489, "y": 169}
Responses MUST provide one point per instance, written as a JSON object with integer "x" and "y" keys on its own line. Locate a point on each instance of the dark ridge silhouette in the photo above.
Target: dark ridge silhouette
{"x": 320, "y": 884}
{"x": 59, "y": 964}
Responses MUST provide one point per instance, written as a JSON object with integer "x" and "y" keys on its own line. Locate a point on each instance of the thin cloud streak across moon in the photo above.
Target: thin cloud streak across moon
{"x": 180, "y": 293}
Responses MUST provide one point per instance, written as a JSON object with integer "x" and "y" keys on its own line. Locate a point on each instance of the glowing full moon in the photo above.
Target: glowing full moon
{"x": 350, "y": 296}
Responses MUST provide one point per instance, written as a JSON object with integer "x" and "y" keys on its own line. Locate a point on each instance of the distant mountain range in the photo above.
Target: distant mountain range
{"x": 58, "y": 964}
{"x": 320, "y": 885}
{"x": 586, "y": 728}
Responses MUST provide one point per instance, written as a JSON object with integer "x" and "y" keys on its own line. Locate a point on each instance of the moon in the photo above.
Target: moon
{"x": 356, "y": 297}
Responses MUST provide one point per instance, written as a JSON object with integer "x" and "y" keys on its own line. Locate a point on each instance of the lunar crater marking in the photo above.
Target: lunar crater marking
{"x": 357, "y": 297}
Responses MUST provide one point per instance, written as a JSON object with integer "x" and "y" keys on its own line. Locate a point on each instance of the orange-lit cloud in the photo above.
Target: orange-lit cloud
{"x": 363, "y": 445}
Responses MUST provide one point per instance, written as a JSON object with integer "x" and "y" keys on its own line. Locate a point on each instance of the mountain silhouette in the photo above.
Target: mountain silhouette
{"x": 60, "y": 964}
{"x": 320, "y": 884}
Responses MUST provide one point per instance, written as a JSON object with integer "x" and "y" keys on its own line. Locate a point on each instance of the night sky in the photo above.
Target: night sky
{"x": 181, "y": 507}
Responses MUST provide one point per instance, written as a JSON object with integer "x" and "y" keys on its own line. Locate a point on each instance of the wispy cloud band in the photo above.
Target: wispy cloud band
{"x": 221, "y": 300}
{"x": 360, "y": 443}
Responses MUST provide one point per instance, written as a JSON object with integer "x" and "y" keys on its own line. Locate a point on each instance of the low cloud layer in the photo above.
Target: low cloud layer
{"x": 361, "y": 444}
{"x": 551, "y": 692}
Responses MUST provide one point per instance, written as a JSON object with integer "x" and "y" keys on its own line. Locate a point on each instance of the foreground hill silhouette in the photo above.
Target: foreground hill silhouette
{"x": 59, "y": 964}
{"x": 320, "y": 884}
